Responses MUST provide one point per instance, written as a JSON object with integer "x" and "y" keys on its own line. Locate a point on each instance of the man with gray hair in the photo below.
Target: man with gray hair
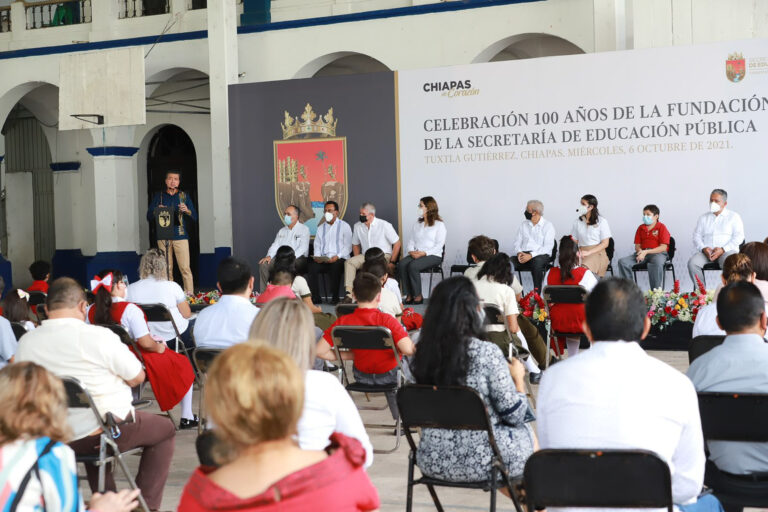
{"x": 718, "y": 234}
{"x": 534, "y": 242}
{"x": 369, "y": 232}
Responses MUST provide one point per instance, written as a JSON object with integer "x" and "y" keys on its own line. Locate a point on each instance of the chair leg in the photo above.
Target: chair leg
{"x": 102, "y": 464}
{"x": 398, "y": 427}
{"x": 435, "y": 499}
{"x": 634, "y": 276}
{"x": 200, "y": 410}
{"x": 493, "y": 488}
{"x": 430, "y": 282}
{"x": 409, "y": 491}
{"x": 131, "y": 481}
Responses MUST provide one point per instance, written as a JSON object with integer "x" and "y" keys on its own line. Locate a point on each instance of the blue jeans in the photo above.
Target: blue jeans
{"x": 380, "y": 379}
{"x": 655, "y": 264}
{"x": 705, "y": 503}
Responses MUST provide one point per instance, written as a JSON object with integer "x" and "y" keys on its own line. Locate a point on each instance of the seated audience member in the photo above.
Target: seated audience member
{"x": 333, "y": 244}
{"x": 569, "y": 317}
{"x": 279, "y": 286}
{"x": 371, "y": 366}
{"x": 493, "y": 287}
{"x": 451, "y": 353}
{"x": 736, "y": 366}
{"x": 328, "y": 408}
{"x": 737, "y": 267}
{"x": 66, "y": 346}
{"x": 294, "y": 234}
{"x": 718, "y": 234}
{"x": 651, "y": 246}
{"x": 424, "y": 249}
{"x": 153, "y": 287}
{"x": 389, "y": 303}
{"x": 375, "y": 253}
{"x": 534, "y": 242}
{"x": 16, "y": 308}
{"x": 37, "y": 465}
{"x": 616, "y": 396}
{"x": 41, "y": 273}
{"x": 758, "y": 256}
{"x": 254, "y": 393}
{"x": 227, "y": 322}
{"x": 8, "y": 343}
{"x": 170, "y": 374}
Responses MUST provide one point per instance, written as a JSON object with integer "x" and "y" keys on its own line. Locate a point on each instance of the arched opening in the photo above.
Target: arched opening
{"x": 527, "y": 46}
{"x": 172, "y": 149}
{"x": 341, "y": 63}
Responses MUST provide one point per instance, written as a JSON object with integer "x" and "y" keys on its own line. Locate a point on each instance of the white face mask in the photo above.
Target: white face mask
{"x": 581, "y": 210}
{"x": 420, "y": 213}
{"x": 328, "y": 216}
{"x": 714, "y": 207}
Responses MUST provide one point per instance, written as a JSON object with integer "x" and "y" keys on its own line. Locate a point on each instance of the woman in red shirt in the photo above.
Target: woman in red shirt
{"x": 255, "y": 394}
{"x": 569, "y": 317}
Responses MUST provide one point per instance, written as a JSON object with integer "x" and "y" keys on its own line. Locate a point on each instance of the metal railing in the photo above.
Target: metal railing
{"x": 54, "y": 13}
{"x": 5, "y": 19}
{"x": 138, "y": 8}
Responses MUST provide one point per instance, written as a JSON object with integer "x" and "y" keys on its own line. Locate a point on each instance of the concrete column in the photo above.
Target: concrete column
{"x": 223, "y": 62}
{"x": 18, "y": 19}
{"x": 104, "y": 16}
{"x": 179, "y": 6}
{"x": 117, "y": 222}
{"x": 612, "y": 31}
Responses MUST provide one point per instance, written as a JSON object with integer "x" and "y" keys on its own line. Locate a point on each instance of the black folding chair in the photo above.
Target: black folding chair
{"x": 37, "y": 299}
{"x": 523, "y": 268}
{"x": 597, "y": 478}
{"x": 610, "y": 251}
{"x": 160, "y": 313}
{"x": 668, "y": 266}
{"x": 18, "y": 330}
{"x": 79, "y": 398}
{"x": 459, "y": 268}
{"x": 701, "y": 345}
{"x": 203, "y": 359}
{"x": 714, "y": 266}
{"x": 455, "y": 408}
{"x": 562, "y": 294}
{"x": 735, "y": 417}
{"x": 344, "y": 309}
{"x": 437, "y": 268}
{"x": 347, "y": 337}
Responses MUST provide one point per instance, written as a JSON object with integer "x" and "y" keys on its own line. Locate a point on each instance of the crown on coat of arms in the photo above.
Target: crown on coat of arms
{"x": 309, "y": 123}
{"x": 735, "y": 56}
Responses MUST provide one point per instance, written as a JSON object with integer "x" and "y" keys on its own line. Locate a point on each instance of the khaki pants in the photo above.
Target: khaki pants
{"x": 597, "y": 262}
{"x": 351, "y": 266}
{"x": 181, "y": 249}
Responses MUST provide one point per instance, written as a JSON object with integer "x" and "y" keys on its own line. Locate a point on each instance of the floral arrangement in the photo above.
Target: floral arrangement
{"x": 532, "y": 306}
{"x": 212, "y": 297}
{"x": 666, "y": 308}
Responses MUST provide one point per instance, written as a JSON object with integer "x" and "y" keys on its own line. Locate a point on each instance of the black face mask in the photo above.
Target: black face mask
{"x": 363, "y": 219}
{"x": 528, "y": 215}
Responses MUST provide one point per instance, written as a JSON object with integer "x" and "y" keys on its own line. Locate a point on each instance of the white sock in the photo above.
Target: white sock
{"x": 573, "y": 346}
{"x": 186, "y": 405}
{"x": 530, "y": 363}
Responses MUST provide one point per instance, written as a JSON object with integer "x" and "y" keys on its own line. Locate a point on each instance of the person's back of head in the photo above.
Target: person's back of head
{"x": 285, "y": 251}
{"x": 233, "y": 275}
{"x": 287, "y": 324}
{"x": 40, "y": 270}
{"x": 285, "y": 260}
{"x": 741, "y": 308}
{"x": 616, "y": 310}
{"x": 497, "y": 269}
{"x": 377, "y": 267}
{"x": 255, "y": 393}
{"x": 737, "y": 267}
{"x": 15, "y": 306}
{"x": 452, "y": 319}
{"x": 64, "y": 293}
{"x": 758, "y": 256}
{"x": 482, "y": 248}
{"x": 102, "y": 312}
{"x": 374, "y": 253}
{"x": 280, "y": 277}
{"x": 568, "y": 257}
{"x": 153, "y": 264}
{"x": 366, "y": 287}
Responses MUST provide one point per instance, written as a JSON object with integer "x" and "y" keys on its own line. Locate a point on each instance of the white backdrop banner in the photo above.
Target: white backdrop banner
{"x": 662, "y": 126}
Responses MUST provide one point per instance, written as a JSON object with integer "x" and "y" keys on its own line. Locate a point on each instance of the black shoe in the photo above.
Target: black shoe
{"x": 535, "y": 378}
{"x": 347, "y": 299}
{"x": 185, "y": 424}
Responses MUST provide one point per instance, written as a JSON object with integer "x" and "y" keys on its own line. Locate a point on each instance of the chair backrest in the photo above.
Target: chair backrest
{"x": 204, "y": 357}
{"x": 597, "y": 478}
{"x": 701, "y": 345}
{"x": 734, "y": 416}
{"x": 672, "y": 248}
{"x": 18, "y": 330}
{"x": 125, "y": 338}
{"x": 610, "y": 249}
{"x": 362, "y": 337}
{"x": 344, "y": 309}
{"x": 36, "y": 298}
{"x": 494, "y": 315}
{"x": 564, "y": 294}
{"x": 553, "y": 256}
{"x": 156, "y": 312}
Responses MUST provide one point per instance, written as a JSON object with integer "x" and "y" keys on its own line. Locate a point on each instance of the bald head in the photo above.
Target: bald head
{"x": 64, "y": 293}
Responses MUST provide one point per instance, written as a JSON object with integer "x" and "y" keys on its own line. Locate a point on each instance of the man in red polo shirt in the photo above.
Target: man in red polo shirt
{"x": 651, "y": 244}
{"x": 370, "y": 366}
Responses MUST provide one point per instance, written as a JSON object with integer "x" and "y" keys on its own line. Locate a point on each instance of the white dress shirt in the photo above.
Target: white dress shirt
{"x": 725, "y": 230}
{"x": 590, "y": 235}
{"x": 471, "y": 273}
{"x": 381, "y": 234}
{"x": 428, "y": 239}
{"x": 168, "y": 293}
{"x": 615, "y": 396}
{"x": 225, "y": 323}
{"x": 297, "y": 238}
{"x": 705, "y": 323}
{"x": 536, "y": 238}
{"x": 391, "y": 285}
{"x": 333, "y": 240}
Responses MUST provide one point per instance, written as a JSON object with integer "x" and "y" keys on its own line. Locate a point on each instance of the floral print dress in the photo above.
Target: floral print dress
{"x": 465, "y": 455}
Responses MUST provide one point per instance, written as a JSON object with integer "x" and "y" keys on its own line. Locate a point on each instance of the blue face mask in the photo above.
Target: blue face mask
{"x": 287, "y": 220}
{"x": 647, "y": 220}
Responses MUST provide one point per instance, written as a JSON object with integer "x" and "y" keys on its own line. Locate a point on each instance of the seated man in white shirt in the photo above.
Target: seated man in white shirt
{"x": 68, "y": 347}
{"x": 534, "y": 242}
{"x": 294, "y": 234}
{"x": 228, "y": 321}
{"x": 615, "y": 396}
{"x": 718, "y": 234}
{"x": 333, "y": 243}
{"x": 370, "y": 231}
{"x": 736, "y": 366}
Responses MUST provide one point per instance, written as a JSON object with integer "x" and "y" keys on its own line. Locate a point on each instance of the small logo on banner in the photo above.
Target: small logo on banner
{"x": 451, "y": 88}
{"x": 735, "y": 67}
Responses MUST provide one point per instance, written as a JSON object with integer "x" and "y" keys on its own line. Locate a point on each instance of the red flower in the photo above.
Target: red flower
{"x": 674, "y": 313}
{"x": 676, "y": 289}
{"x": 667, "y": 309}
{"x": 702, "y": 288}
{"x": 528, "y": 313}
{"x": 663, "y": 319}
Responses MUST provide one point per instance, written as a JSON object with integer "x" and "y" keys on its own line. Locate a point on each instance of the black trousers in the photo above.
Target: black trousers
{"x": 537, "y": 266}
{"x": 725, "y": 485}
{"x": 334, "y": 270}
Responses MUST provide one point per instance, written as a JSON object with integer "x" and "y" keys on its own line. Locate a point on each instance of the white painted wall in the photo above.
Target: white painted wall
{"x": 21, "y": 243}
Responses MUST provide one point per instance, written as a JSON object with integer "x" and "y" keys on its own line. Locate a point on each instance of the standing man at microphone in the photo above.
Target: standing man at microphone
{"x": 183, "y": 209}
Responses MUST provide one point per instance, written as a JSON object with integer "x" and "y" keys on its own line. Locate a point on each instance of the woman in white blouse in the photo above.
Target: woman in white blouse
{"x": 328, "y": 408}
{"x": 592, "y": 233}
{"x": 424, "y": 248}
